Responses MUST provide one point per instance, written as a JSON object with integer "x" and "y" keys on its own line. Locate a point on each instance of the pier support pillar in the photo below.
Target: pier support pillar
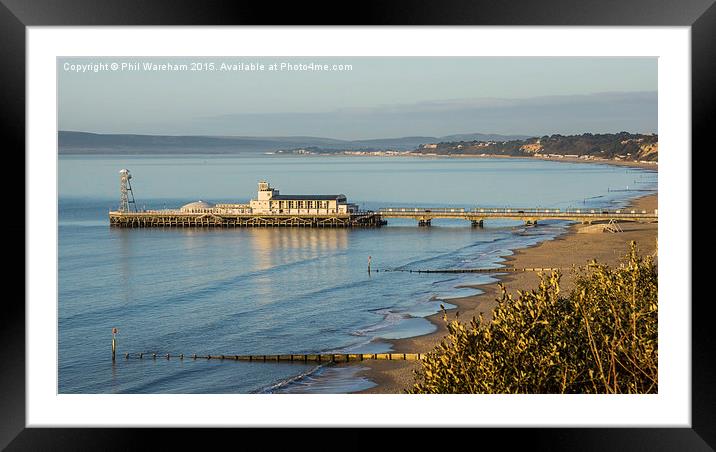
{"x": 476, "y": 223}
{"x": 424, "y": 223}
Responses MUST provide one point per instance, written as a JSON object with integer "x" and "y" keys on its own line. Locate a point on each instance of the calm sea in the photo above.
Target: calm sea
{"x": 280, "y": 291}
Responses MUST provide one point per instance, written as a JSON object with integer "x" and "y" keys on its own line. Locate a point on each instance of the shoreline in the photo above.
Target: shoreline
{"x": 624, "y": 163}
{"x": 566, "y": 250}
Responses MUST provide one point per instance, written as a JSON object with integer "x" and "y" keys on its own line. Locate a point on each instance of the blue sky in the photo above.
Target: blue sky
{"x": 378, "y": 98}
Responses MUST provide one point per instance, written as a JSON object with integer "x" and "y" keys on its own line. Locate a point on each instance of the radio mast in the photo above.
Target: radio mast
{"x": 126, "y": 195}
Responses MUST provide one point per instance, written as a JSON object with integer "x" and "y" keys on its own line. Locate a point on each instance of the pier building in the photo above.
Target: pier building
{"x": 197, "y": 207}
{"x": 270, "y": 201}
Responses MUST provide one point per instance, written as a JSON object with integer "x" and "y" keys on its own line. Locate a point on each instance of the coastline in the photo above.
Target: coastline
{"x": 626, "y": 163}
{"x": 573, "y": 248}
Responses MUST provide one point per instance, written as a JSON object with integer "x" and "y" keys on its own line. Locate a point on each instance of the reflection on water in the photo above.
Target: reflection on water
{"x": 294, "y": 243}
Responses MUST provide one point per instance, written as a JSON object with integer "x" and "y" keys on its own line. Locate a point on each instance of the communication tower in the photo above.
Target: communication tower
{"x": 126, "y": 195}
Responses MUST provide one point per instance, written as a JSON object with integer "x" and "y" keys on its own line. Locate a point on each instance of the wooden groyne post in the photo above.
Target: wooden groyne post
{"x": 320, "y": 358}
{"x": 478, "y": 270}
{"x": 114, "y": 343}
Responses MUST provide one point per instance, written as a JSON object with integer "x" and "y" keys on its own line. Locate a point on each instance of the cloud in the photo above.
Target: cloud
{"x": 597, "y": 112}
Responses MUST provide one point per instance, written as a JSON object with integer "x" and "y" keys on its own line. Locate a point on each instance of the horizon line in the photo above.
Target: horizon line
{"x": 358, "y": 139}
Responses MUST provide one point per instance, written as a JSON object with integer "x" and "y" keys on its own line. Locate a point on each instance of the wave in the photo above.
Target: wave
{"x": 390, "y": 318}
{"x": 287, "y": 381}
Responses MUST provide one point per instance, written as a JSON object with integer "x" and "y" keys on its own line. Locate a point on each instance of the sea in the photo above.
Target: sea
{"x": 283, "y": 291}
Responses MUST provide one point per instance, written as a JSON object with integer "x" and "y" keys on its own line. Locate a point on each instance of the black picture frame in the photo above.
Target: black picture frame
{"x": 16, "y": 15}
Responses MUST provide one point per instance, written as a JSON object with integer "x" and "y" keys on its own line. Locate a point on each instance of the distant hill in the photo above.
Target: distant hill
{"x": 70, "y": 142}
{"x": 482, "y": 137}
{"x": 615, "y": 146}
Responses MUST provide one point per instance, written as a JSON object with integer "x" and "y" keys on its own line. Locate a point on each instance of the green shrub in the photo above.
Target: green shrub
{"x": 601, "y": 338}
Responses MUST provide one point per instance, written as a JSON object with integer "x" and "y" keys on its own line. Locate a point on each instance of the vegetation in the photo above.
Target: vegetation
{"x": 600, "y": 145}
{"x": 627, "y": 146}
{"x": 600, "y": 338}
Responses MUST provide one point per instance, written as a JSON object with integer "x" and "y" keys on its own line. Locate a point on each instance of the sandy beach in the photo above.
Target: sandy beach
{"x": 627, "y": 163}
{"x": 574, "y": 248}
{"x": 594, "y": 161}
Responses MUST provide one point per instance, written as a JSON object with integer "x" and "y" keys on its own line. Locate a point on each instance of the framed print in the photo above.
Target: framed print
{"x": 302, "y": 221}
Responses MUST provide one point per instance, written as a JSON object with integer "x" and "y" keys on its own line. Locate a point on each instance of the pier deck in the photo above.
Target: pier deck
{"x": 424, "y": 216}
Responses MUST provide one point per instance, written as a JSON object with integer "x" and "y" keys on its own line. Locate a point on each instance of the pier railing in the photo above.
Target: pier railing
{"x": 531, "y": 215}
{"x": 511, "y": 210}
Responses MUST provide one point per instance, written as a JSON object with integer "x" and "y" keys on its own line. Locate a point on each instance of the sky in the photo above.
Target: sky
{"x": 368, "y": 97}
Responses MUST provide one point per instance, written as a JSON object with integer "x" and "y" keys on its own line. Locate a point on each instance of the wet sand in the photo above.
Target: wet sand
{"x": 568, "y": 250}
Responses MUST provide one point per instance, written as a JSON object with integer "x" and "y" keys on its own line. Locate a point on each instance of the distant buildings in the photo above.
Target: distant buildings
{"x": 377, "y": 153}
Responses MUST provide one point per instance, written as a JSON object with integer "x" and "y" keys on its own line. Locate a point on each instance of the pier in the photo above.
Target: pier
{"x": 273, "y": 209}
{"x": 423, "y": 217}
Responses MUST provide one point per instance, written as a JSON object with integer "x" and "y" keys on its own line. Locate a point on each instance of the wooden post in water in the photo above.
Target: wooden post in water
{"x": 114, "y": 343}
{"x": 369, "y": 258}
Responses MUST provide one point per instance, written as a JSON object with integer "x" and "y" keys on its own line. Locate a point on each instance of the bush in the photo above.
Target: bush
{"x": 601, "y": 338}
